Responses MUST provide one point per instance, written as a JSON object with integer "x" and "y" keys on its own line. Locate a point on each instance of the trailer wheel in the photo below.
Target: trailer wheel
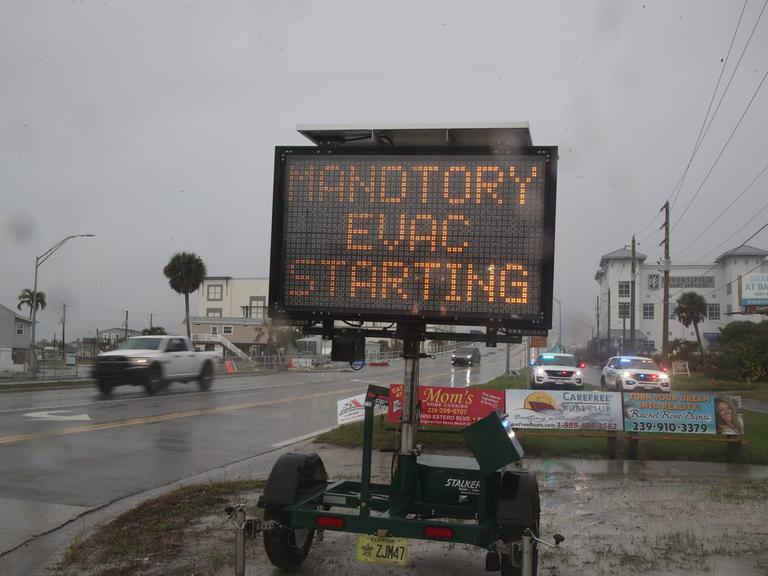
{"x": 520, "y": 502}
{"x": 286, "y": 548}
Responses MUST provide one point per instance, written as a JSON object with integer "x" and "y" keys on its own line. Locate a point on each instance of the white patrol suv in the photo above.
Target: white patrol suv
{"x": 553, "y": 371}
{"x": 631, "y": 373}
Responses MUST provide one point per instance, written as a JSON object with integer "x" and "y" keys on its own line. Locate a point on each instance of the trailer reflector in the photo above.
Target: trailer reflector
{"x": 438, "y": 533}
{"x": 333, "y": 522}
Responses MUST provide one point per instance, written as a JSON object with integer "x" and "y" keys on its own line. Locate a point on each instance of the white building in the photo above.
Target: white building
{"x": 718, "y": 283}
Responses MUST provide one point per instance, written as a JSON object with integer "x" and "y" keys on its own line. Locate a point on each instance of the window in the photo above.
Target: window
{"x": 671, "y": 313}
{"x": 713, "y": 311}
{"x": 650, "y": 345}
{"x": 728, "y": 288}
{"x": 258, "y": 305}
{"x": 729, "y": 308}
{"x": 623, "y": 309}
{"x": 214, "y": 330}
{"x": 226, "y": 330}
{"x": 624, "y": 289}
{"x": 213, "y": 312}
{"x": 647, "y": 311}
{"x": 215, "y": 291}
{"x": 19, "y": 328}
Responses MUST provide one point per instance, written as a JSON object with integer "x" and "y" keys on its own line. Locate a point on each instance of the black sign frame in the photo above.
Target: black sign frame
{"x": 279, "y": 311}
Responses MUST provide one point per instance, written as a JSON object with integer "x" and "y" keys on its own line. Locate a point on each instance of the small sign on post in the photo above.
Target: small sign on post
{"x": 680, "y": 367}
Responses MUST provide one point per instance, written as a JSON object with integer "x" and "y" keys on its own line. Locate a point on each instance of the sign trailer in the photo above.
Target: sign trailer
{"x": 413, "y": 226}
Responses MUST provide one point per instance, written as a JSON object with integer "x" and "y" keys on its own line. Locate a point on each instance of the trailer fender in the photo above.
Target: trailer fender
{"x": 292, "y": 476}
{"x": 518, "y": 505}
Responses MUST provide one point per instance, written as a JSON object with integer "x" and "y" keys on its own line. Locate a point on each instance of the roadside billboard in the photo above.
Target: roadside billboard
{"x": 445, "y": 406}
{"x": 754, "y": 290}
{"x": 353, "y": 410}
{"x": 683, "y": 413}
{"x": 564, "y": 410}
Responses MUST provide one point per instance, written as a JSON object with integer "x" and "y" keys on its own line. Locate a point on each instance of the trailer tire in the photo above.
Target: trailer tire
{"x": 520, "y": 507}
{"x": 286, "y": 548}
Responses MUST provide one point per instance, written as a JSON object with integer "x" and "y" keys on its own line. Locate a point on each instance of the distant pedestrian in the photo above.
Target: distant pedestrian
{"x": 727, "y": 418}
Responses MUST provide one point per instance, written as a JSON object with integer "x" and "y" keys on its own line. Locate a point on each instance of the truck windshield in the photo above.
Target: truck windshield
{"x": 141, "y": 344}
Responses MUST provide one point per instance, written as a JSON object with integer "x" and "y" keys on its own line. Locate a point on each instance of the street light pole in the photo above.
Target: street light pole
{"x": 38, "y": 262}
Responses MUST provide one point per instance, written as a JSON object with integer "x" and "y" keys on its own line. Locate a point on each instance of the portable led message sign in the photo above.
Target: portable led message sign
{"x": 438, "y": 235}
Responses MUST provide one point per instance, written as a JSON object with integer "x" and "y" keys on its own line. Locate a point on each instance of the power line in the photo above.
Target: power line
{"x": 763, "y": 227}
{"x": 723, "y": 212}
{"x": 741, "y": 56}
{"x": 734, "y": 234}
{"x": 759, "y": 264}
{"x": 678, "y": 186}
{"x": 722, "y": 151}
{"x": 702, "y": 131}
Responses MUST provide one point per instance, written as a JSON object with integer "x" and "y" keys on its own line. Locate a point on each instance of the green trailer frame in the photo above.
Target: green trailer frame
{"x": 501, "y": 517}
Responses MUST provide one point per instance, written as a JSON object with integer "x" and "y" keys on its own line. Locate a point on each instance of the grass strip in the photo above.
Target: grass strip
{"x": 153, "y": 532}
{"x": 560, "y": 445}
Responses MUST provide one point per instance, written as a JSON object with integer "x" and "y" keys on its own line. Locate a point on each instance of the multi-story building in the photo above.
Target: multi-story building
{"x": 718, "y": 283}
{"x": 231, "y": 313}
{"x": 14, "y": 340}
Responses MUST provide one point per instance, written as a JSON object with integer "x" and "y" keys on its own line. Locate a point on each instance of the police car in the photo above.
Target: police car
{"x": 553, "y": 371}
{"x": 634, "y": 373}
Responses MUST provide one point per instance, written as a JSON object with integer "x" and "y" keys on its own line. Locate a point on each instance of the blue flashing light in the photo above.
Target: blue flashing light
{"x": 548, "y": 356}
{"x": 626, "y": 360}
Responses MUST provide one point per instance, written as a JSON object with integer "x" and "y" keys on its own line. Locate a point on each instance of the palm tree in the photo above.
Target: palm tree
{"x": 692, "y": 309}
{"x": 185, "y": 272}
{"x": 26, "y": 298}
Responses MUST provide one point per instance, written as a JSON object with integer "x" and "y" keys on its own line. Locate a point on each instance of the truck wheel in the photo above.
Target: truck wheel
{"x": 286, "y": 548}
{"x": 618, "y": 385}
{"x": 105, "y": 387}
{"x": 154, "y": 380}
{"x": 602, "y": 381}
{"x": 205, "y": 379}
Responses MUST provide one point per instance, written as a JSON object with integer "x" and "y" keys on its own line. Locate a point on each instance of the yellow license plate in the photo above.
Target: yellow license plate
{"x": 382, "y": 549}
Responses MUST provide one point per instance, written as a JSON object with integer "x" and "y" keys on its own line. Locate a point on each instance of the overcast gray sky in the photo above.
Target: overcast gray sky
{"x": 152, "y": 125}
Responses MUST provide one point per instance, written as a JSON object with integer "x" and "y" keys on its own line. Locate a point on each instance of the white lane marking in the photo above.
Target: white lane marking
{"x": 57, "y": 416}
{"x": 364, "y": 381}
{"x": 300, "y": 438}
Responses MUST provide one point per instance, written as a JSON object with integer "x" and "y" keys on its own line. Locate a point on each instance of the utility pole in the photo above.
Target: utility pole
{"x": 665, "y": 312}
{"x": 608, "y": 335}
{"x": 632, "y": 302}
{"x": 64, "y": 332}
{"x": 150, "y": 321}
{"x": 126, "y": 324}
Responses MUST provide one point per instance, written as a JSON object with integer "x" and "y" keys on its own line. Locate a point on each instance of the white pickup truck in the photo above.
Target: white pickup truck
{"x": 153, "y": 362}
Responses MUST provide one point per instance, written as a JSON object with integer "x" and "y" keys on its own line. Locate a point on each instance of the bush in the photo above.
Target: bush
{"x": 743, "y": 352}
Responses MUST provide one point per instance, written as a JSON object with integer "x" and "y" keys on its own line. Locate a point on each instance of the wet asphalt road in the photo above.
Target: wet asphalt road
{"x": 66, "y": 451}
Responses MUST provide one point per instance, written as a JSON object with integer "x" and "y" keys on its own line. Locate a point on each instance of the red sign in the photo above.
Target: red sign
{"x": 448, "y": 406}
